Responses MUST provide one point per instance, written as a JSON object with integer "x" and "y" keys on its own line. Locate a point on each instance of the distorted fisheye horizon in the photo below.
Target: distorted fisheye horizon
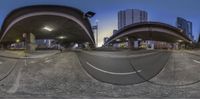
{"x": 135, "y": 49}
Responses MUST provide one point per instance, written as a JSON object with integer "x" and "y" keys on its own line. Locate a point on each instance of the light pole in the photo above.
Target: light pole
{"x": 97, "y": 34}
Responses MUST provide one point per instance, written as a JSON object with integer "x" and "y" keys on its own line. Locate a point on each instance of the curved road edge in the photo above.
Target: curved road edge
{"x": 113, "y": 77}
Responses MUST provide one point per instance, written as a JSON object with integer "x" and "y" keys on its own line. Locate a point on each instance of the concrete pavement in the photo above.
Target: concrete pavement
{"x": 182, "y": 70}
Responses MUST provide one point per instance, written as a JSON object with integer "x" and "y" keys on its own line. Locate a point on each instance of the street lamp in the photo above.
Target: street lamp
{"x": 17, "y": 40}
{"x": 180, "y": 41}
{"x": 61, "y": 37}
{"x": 97, "y": 33}
{"x": 48, "y": 28}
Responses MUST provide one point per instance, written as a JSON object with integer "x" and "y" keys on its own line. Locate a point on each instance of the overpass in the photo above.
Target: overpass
{"x": 149, "y": 31}
{"x": 47, "y": 22}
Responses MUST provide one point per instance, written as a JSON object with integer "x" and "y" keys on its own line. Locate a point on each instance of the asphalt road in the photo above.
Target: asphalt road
{"x": 124, "y": 67}
{"x": 6, "y": 66}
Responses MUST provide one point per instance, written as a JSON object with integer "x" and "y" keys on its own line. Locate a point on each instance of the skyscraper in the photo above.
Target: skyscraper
{"x": 186, "y": 26}
{"x": 131, "y": 16}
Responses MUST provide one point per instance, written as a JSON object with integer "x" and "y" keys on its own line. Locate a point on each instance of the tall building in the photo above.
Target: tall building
{"x": 186, "y": 26}
{"x": 131, "y": 16}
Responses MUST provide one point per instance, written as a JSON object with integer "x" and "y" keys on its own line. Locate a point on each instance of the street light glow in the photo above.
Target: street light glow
{"x": 180, "y": 41}
{"x": 48, "y": 28}
{"x": 17, "y": 40}
{"x": 62, "y": 37}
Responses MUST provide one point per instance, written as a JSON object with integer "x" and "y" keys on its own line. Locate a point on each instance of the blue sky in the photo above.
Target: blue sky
{"x": 158, "y": 10}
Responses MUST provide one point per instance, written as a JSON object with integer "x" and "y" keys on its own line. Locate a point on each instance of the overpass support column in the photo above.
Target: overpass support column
{"x": 30, "y": 44}
{"x": 130, "y": 42}
{"x": 2, "y": 47}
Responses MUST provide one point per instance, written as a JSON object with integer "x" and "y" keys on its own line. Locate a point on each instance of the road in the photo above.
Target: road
{"x": 171, "y": 74}
{"x": 123, "y": 67}
{"x": 6, "y": 66}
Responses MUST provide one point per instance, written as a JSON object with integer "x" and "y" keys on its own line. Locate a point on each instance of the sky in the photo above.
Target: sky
{"x": 165, "y": 11}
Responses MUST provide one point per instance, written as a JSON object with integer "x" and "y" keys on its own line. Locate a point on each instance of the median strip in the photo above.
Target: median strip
{"x": 113, "y": 73}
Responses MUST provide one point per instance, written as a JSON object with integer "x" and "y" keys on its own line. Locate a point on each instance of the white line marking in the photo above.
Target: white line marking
{"x": 48, "y": 61}
{"x": 196, "y": 61}
{"x": 1, "y": 63}
{"x": 15, "y": 86}
{"x": 113, "y": 73}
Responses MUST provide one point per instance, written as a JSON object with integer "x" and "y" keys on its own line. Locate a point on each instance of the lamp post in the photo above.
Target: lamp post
{"x": 97, "y": 33}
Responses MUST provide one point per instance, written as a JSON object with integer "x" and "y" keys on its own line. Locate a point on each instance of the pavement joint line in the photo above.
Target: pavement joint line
{"x": 2, "y": 76}
{"x": 196, "y": 61}
{"x": 113, "y": 73}
{"x": 171, "y": 85}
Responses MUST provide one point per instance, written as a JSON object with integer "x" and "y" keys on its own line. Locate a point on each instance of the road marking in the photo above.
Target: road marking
{"x": 1, "y": 62}
{"x": 15, "y": 86}
{"x": 48, "y": 61}
{"x": 113, "y": 73}
{"x": 196, "y": 61}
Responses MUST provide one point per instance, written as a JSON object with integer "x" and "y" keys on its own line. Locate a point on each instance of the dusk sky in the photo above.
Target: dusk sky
{"x": 106, "y": 11}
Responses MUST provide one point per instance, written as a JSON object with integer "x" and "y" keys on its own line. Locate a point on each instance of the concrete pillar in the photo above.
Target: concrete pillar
{"x": 130, "y": 42}
{"x": 30, "y": 44}
{"x": 2, "y": 47}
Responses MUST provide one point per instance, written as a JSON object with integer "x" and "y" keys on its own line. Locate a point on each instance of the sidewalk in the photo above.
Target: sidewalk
{"x": 22, "y": 54}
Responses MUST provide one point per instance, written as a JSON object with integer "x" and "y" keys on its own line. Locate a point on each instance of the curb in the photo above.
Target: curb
{"x": 27, "y": 57}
